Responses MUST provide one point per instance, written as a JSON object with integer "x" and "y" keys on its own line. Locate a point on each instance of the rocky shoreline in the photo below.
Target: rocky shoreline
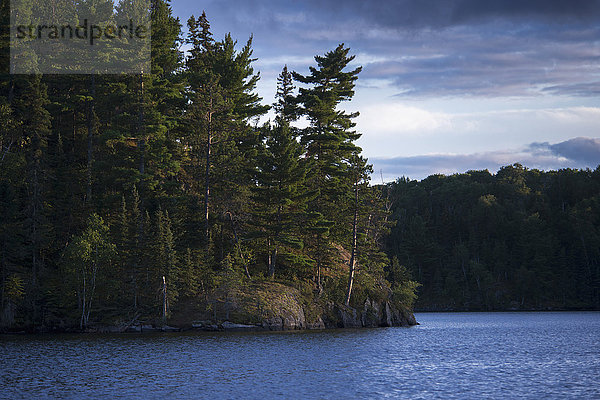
{"x": 257, "y": 307}
{"x": 373, "y": 315}
{"x": 278, "y": 307}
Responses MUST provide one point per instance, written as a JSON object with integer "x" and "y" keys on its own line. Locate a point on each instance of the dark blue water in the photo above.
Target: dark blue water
{"x": 463, "y": 355}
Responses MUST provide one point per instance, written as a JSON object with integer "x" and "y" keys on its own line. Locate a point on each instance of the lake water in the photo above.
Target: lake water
{"x": 450, "y": 355}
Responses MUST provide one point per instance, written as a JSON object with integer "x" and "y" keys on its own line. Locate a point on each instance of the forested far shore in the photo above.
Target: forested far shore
{"x": 135, "y": 199}
{"x": 520, "y": 239}
{"x": 157, "y": 198}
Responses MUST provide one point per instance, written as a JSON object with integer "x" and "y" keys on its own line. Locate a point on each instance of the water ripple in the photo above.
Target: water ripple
{"x": 449, "y": 356}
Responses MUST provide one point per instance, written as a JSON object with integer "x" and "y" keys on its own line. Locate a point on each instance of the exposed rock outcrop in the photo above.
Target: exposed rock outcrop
{"x": 372, "y": 315}
{"x": 267, "y": 306}
{"x": 278, "y": 307}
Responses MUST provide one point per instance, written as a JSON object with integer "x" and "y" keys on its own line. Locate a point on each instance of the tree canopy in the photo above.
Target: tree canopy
{"x": 518, "y": 239}
{"x": 134, "y": 196}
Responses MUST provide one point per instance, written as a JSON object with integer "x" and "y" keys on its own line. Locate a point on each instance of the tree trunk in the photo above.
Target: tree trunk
{"x": 319, "y": 273}
{"x": 90, "y": 128}
{"x": 93, "y": 286}
{"x": 83, "y": 300}
{"x": 6, "y": 151}
{"x": 269, "y": 258}
{"x": 164, "y": 290}
{"x": 273, "y": 259}
{"x": 354, "y": 243}
{"x": 34, "y": 221}
{"x": 273, "y": 262}
{"x": 238, "y": 245}
{"x": 141, "y": 129}
{"x": 207, "y": 175}
{"x": 36, "y": 214}
{"x": 11, "y": 90}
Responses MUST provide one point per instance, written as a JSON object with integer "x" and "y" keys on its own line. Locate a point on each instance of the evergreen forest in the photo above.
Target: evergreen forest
{"x": 135, "y": 197}
{"x": 521, "y": 239}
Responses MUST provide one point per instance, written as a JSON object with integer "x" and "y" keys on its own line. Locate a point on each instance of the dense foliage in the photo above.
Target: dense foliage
{"x": 127, "y": 197}
{"x": 519, "y": 239}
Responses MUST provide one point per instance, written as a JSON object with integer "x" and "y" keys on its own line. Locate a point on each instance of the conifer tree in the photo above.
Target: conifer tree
{"x": 285, "y": 106}
{"x": 29, "y": 105}
{"x": 221, "y": 98}
{"x": 359, "y": 170}
{"x": 206, "y": 102}
{"x": 280, "y": 194}
{"x": 165, "y": 257}
{"x": 182, "y": 136}
{"x": 329, "y": 140}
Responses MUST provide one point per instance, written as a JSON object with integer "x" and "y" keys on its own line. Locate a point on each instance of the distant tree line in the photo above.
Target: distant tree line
{"x": 111, "y": 183}
{"x": 519, "y": 239}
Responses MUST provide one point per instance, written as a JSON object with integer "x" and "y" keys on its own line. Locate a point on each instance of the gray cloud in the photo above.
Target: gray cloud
{"x": 587, "y": 89}
{"x": 414, "y": 14}
{"x": 574, "y": 153}
{"x": 581, "y": 150}
{"x": 559, "y": 11}
{"x": 494, "y": 62}
{"x": 436, "y": 47}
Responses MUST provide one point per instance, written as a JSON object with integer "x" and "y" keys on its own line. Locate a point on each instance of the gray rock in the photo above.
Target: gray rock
{"x": 318, "y": 324}
{"x": 149, "y": 328}
{"x": 349, "y": 317}
{"x": 371, "y": 314}
{"x": 230, "y": 326}
{"x": 273, "y": 324}
{"x": 167, "y": 328}
{"x": 387, "y": 315}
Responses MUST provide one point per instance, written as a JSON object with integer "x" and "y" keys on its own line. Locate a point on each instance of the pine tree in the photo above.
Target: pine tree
{"x": 360, "y": 173}
{"x": 280, "y": 194}
{"x": 166, "y": 262}
{"x": 221, "y": 98}
{"x": 329, "y": 140}
{"x": 206, "y": 100}
{"x": 285, "y": 106}
{"x": 183, "y": 136}
{"x": 29, "y": 105}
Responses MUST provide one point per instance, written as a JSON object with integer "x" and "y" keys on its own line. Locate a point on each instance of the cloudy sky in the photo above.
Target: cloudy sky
{"x": 447, "y": 85}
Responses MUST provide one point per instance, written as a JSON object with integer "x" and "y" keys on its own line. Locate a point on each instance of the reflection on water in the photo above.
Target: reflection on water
{"x": 450, "y": 355}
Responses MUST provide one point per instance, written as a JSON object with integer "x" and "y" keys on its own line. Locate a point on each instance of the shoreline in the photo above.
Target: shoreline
{"x": 421, "y": 311}
{"x": 225, "y": 327}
